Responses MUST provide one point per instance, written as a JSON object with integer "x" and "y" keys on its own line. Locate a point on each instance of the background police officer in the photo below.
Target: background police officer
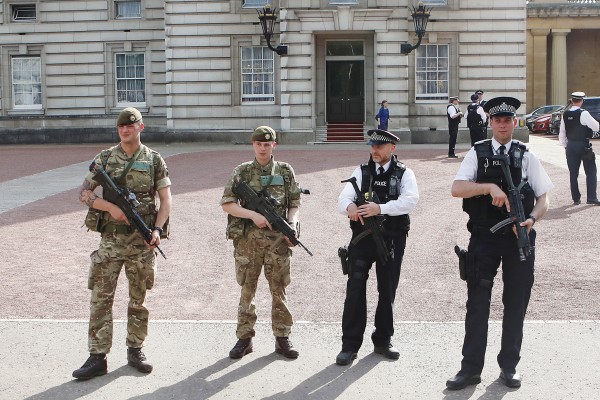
{"x": 454, "y": 117}
{"x": 479, "y": 181}
{"x": 256, "y": 244}
{"x": 576, "y": 129}
{"x": 397, "y": 194}
{"x": 476, "y": 120}
{"x": 144, "y": 172}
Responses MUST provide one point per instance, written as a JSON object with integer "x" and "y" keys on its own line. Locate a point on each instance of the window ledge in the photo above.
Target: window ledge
{"x": 26, "y": 112}
{"x": 142, "y": 109}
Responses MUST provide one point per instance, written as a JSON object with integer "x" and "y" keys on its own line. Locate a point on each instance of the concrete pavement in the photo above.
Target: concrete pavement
{"x": 560, "y": 361}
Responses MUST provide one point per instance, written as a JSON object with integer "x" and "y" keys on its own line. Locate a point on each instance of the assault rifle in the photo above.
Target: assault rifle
{"x": 517, "y": 212}
{"x": 264, "y": 203}
{"x": 373, "y": 226}
{"x": 125, "y": 200}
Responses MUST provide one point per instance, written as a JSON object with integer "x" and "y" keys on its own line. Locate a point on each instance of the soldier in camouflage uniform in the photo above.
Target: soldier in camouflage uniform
{"x": 144, "y": 172}
{"x": 257, "y": 244}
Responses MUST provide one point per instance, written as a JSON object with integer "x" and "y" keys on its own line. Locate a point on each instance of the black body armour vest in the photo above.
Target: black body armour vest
{"x": 480, "y": 209}
{"x": 454, "y": 121}
{"x": 573, "y": 127}
{"x": 386, "y": 187}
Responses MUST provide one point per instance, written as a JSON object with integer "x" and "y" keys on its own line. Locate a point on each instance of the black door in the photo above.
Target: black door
{"x": 345, "y": 91}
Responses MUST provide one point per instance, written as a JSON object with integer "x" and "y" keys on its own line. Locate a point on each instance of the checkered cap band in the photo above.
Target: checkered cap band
{"x": 502, "y": 108}
{"x": 376, "y": 137}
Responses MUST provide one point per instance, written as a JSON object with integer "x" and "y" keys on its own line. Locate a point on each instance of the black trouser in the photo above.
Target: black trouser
{"x": 354, "y": 320}
{"x": 477, "y": 134}
{"x": 574, "y": 153}
{"x": 488, "y": 250}
{"x": 453, "y": 132}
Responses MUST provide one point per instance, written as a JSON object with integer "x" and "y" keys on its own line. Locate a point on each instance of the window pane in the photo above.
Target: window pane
{"x": 27, "y": 82}
{"x": 128, "y": 9}
{"x": 343, "y": 48}
{"x": 257, "y": 68}
{"x": 432, "y": 72}
{"x": 130, "y": 78}
{"x": 256, "y": 3}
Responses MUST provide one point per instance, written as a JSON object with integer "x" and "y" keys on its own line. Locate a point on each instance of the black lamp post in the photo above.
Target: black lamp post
{"x": 267, "y": 22}
{"x": 420, "y": 17}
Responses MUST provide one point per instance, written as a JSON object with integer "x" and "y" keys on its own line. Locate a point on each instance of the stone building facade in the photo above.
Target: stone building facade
{"x": 200, "y": 70}
{"x": 562, "y": 50}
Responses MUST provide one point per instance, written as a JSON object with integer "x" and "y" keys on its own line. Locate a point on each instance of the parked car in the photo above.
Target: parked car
{"x": 591, "y": 104}
{"x": 538, "y": 112}
{"x": 541, "y": 124}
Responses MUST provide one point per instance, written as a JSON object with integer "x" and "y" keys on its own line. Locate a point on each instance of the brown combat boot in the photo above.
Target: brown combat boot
{"x": 95, "y": 365}
{"x": 284, "y": 347}
{"x": 137, "y": 359}
{"x": 241, "y": 348}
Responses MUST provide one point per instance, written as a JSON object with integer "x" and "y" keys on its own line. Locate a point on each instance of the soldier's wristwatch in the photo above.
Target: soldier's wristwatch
{"x": 533, "y": 219}
{"x": 156, "y": 228}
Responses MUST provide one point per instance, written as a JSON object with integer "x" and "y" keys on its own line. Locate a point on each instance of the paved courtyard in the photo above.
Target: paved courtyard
{"x": 44, "y": 300}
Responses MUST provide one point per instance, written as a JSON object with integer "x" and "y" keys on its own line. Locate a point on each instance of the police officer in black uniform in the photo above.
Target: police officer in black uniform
{"x": 577, "y": 127}
{"x": 481, "y": 183}
{"x": 454, "y": 117}
{"x": 476, "y": 120}
{"x": 391, "y": 191}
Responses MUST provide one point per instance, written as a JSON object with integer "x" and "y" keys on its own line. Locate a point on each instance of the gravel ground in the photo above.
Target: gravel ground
{"x": 45, "y": 250}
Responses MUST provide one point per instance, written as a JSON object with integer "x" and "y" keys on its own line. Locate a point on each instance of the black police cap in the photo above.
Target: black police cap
{"x": 379, "y": 136}
{"x": 502, "y": 106}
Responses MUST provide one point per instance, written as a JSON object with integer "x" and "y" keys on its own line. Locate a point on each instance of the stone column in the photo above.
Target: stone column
{"x": 539, "y": 57}
{"x": 559, "y": 66}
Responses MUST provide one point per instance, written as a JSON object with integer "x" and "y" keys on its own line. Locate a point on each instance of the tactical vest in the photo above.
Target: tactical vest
{"x": 279, "y": 186}
{"x": 385, "y": 187}
{"x": 473, "y": 118}
{"x": 139, "y": 179}
{"x": 575, "y": 130}
{"x": 482, "y": 212}
{"x": 454, "y": 121}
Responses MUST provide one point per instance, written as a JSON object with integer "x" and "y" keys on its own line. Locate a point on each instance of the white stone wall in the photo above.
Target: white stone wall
{"x": 76, "y": 41}
{"x": 193, "y": 61}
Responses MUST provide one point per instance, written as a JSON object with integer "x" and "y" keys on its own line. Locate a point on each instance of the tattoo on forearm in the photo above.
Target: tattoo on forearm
{"x": 86, "y": 194}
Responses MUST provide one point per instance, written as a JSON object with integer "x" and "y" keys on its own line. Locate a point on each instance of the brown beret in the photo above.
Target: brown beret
{"x": 129, "y": 116}
{"x": 264, "y": 134}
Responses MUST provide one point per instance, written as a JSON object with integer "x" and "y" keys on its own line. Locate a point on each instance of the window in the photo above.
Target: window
{"x": 27, "y": 82}
{"x": 130, "y": 78}
{"x": 23, "y": 12}
{"x": 343, "y": 1}
{"x": 432, "y": 72}
{"x": 256, "y": 3}
{"x": 128, "y": 9}
{"x": 435, "y": 2}
{"x": 258, "y": 65}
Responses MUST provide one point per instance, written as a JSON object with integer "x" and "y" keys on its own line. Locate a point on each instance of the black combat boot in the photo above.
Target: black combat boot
{"x": 284, "y": 347}
{"x": 94, "y": 366}
{"x": 241, "y": 348}
{"x": 137, "y": 359}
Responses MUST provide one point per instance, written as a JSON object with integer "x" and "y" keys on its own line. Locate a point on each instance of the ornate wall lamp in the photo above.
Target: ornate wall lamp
{"x": 267, "y": 21}
{"x": 420, "y": 17}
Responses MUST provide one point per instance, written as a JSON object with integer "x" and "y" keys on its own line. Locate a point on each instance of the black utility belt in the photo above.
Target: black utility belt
{"x": 506, "y": 231}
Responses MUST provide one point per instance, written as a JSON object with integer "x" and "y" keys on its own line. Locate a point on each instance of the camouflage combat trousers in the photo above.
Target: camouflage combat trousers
{"x": 257, "y": 248}
{"x": 116, "y": 251}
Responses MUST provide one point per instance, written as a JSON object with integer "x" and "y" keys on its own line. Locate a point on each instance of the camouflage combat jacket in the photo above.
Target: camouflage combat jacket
{"x": 146, "y": 176}
{"x": 276, "y": 177}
